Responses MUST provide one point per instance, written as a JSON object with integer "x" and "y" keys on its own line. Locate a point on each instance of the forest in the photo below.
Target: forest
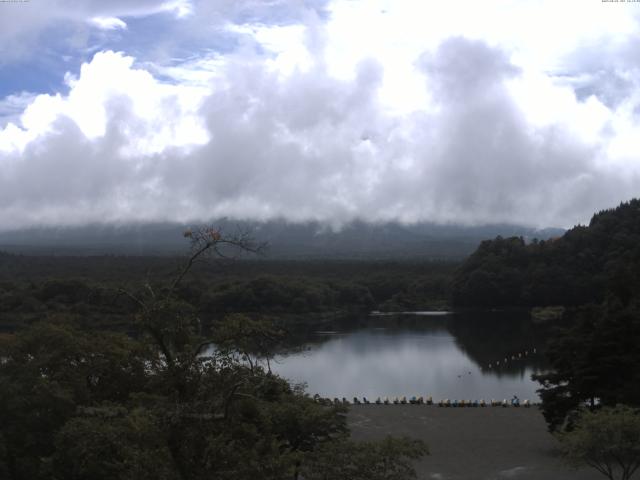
{"x": 583, "y": 266}
{"x": 104, "y": 374}
{"x": 87, "y": 288}
{"x": 593, "y": 270}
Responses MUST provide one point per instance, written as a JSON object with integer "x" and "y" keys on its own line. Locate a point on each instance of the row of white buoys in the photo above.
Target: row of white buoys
{"x": 514, "y": 402}
{"x": 512, "y": 358}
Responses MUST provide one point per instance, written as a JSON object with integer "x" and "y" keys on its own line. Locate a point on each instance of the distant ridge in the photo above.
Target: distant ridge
{"x": 286, "y": 240}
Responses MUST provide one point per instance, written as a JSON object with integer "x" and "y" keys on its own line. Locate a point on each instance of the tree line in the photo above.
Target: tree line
{"x": 593, "y": 270}
{"x": 78, "y": 402}
{"x": 584, "y": 266}
{"x": 87, "y": 288}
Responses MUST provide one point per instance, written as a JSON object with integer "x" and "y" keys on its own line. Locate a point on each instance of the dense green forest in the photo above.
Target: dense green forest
{"x": 87, "y": 288}
{"x": 595, "y": 271}
{"x": 103, "y": 372}
{"x": 583, "y": 266}
{"x": 80, "y": 401}
{"x": 103, "y": 376}
{"x": 594, "y": 362}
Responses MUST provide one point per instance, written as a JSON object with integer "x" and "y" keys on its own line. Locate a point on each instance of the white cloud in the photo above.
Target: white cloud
{"x": 108, "y": 23}
{"x": 385, "y": 110}
{"x": 161, "y": 115}
{"x": 12, "y": 106}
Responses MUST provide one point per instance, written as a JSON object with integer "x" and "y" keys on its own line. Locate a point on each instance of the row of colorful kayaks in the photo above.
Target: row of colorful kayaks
{"x": 514, "y": 402}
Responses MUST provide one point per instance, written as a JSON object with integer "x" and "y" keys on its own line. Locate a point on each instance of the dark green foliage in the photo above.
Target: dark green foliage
{"x": 389, "y": 459}
{"x": 595, "y": 361}
{"x": 607, "y": 440}
{"x": 493, "y": 274}
{"x": 47, "y": 372}
{"x": 276, "y": 295}
{"x": 581, "y": 267}
{"x": 110, "y": 442}
{"x": 65, "y": 291}
{"x": 80, "y": 403}
{"x": 253, "y": 339}
{"x": 87, "y": 289}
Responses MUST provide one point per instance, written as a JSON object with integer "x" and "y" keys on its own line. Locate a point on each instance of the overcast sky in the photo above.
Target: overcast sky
{"x": 469, "y": 112}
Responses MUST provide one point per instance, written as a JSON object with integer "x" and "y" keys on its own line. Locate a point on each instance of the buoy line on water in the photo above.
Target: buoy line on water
{"x": 513, "y": 402}
{"x": 514, "y": 357}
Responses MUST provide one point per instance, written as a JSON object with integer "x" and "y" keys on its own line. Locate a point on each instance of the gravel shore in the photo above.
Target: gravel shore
{"x": 491, "y": 443}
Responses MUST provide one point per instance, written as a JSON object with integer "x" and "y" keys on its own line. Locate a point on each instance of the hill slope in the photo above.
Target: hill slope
{"x": 582, "y": 266}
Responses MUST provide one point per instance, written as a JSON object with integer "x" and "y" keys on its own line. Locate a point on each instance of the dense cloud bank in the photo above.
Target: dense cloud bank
{"x": 232, "y": 135}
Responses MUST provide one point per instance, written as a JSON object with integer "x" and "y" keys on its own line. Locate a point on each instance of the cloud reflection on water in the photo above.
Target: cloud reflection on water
{"x": 394, "y": 362}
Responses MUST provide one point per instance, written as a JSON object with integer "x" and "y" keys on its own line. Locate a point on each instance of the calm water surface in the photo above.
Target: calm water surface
{"x": 445, "y": 356}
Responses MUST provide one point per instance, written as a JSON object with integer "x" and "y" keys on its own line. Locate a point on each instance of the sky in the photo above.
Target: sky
{"x": 524, "y": 111}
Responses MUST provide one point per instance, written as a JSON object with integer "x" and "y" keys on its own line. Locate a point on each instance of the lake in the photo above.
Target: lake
{"x": 451, "y": 356}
